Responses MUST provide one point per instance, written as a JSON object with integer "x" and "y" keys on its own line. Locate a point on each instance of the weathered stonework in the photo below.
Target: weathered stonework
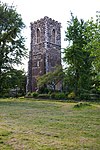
{"x": 45, "y": 51}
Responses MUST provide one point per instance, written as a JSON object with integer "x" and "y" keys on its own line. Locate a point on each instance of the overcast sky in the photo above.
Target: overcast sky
{"x": 32, "y": 10}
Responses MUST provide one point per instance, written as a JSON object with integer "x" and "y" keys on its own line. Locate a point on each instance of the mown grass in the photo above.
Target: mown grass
{"x": 49, "y": 125}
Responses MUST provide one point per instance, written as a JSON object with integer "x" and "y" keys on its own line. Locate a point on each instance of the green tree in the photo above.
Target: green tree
{"x": 78, "y": 59}
{"x": 93, "y": 46}
{"x": 14, "y": 79}
{"x": 51, "y": 79}
{"x": 12, "y": 43}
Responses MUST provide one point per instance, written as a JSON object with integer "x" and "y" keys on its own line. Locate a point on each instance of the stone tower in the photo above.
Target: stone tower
{"x": 45, "y": 51}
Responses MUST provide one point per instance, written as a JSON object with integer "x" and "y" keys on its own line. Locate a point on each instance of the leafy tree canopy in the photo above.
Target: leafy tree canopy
{"x": 82, "y": 54}
{"x": 12, "y": 43}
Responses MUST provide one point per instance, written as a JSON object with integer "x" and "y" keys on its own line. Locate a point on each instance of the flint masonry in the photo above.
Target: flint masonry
{"x": 45, "y": 51}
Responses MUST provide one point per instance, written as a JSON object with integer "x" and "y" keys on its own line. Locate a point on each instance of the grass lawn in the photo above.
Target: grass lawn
{"x": 48, "y": 125}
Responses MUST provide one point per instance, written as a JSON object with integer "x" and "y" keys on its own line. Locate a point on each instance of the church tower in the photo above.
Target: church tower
{"x": 45, "y": 51}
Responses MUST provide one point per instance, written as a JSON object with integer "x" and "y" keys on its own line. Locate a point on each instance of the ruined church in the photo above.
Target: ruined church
{"x": 45, "y": 51}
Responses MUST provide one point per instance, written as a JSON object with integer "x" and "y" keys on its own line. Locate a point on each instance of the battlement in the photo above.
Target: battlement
{"x": 46, "y": 19}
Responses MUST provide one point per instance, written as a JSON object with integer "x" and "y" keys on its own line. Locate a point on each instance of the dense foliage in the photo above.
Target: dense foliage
{"x": 51, "y": 79}
{"x": 12, "y": 43}
{"x": 13, "y": 80}
{"x": 82, "y": 56}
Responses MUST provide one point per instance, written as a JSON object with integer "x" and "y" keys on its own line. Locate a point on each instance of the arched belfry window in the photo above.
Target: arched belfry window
{"x": 38, "y": 35}
{"x": 53, "y": 35}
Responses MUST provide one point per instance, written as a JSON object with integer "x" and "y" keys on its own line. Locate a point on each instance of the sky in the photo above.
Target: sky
{"x": 32, "y": 10}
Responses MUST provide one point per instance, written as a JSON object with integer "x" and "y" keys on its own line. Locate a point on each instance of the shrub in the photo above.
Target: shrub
{"x": 28, "y": 94}
{"x": 58, "y": 96}
{"x": 52, "y": 96}
{"x": 34, "y": 94}
{"x": 84, "y": 96}
{"x": 71, "y": 95}
{"x": 5, "y": 95}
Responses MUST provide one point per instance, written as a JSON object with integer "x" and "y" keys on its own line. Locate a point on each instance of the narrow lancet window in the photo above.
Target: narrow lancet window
{"x": 38, "y": 36}
{"x": 53, "y": 35}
